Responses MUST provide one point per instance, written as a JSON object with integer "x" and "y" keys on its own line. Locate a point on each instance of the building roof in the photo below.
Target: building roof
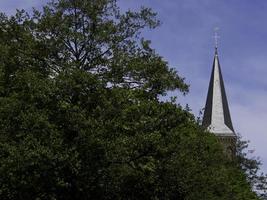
{"x": 217, "y": 118}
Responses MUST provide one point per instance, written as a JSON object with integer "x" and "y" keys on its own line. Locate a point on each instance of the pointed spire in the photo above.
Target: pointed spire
{"x": 217, "y": 117}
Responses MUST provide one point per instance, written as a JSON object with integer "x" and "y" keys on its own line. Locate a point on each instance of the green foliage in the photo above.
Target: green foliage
{"x": 80, "y": 115}
{"x": 251, "y": 167}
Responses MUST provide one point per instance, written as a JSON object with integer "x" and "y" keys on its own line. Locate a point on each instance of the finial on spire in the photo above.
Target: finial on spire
{"x": 216, "y": 38}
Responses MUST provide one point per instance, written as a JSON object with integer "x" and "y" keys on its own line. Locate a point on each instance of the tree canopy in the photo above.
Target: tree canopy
{"x": 81, "y": 115}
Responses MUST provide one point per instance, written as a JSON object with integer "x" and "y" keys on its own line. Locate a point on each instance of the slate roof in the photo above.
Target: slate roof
{"x": 217, "y": 116}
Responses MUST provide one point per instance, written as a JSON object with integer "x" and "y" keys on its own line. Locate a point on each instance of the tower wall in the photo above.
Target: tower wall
{"x": 229, "y": 145}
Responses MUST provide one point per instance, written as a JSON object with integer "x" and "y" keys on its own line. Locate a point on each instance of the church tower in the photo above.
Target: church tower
{"x": 217, "y": 118}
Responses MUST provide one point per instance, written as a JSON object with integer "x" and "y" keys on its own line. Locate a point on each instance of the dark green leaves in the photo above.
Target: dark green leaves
{"x": 80, "y": 116}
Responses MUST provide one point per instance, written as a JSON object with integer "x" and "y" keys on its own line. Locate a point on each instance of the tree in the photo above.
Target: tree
{"x": 251, "y": 167}
{"x": 81, "y": 117}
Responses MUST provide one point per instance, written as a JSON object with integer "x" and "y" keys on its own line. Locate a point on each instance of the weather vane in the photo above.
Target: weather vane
{"x": 216, "y": 36}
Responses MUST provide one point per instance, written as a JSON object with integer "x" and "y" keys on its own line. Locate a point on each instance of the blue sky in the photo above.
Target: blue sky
{"x": 185, "y": 40}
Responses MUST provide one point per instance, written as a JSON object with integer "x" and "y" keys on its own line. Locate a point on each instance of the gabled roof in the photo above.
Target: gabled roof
{"x": 217, "y": 117}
